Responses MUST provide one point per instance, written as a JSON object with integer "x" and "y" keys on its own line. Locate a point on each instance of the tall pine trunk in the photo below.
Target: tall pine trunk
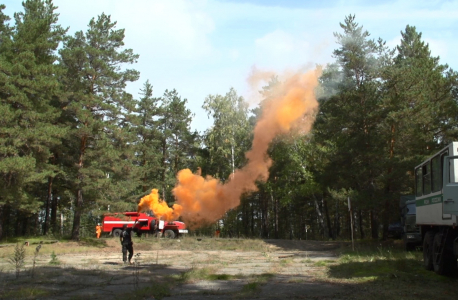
{"x": 264, "y": 214}
{"x": 164, "y": 167}
{"x": 275, "y": 203}
{"x": 79, "y": 193}
{"x": 320, "y": 216}
{"x": 48, "y": 201}
{"x": 77, "y": 215}
{"x": 53, "y": 222}
{"x": 1, "y": 222}
{"x": 374, "y": 224}
{"x": 361, "y": 229}
{"x": 328, "y": 219}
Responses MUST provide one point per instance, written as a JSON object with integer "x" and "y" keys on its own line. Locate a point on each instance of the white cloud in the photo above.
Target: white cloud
{"x": 173, "y": 28}
{"x": 437, "y": 47}
{"x": 177, "y": 29}
{"x": 282, "y": 50}
{"x": 205, "y": 47}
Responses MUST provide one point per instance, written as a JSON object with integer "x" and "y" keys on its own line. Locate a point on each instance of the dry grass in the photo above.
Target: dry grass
{"x": 376, "y": 271}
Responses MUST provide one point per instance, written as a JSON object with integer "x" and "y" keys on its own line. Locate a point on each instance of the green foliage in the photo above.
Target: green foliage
{"x": 25, "y": 293}
{"x": 54, "y": 260}
{"x": 96, "y": 111}
{"x": 373, "y": 261}
{"x": 381, "y": 112}
{"x": 147, "y": 156}
{"x": 17, "y": 260}
{"x": 177, "y": 144}
{"x": 229, "y": 137}
{"x": 30, "y": 96}
{"x": 74, "y": 143}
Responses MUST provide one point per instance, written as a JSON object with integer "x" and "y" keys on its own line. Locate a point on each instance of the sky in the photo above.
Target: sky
{"x": 205, "y": 47}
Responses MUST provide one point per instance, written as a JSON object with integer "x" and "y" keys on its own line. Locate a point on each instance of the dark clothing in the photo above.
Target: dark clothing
{"x": 126, "y": 236}
{"x": 125, "y": 248}
{"x": 127, "y": 245}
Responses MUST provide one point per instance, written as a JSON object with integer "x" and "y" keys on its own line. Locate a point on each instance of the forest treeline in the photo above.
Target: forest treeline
{"x": 74, "y": 144}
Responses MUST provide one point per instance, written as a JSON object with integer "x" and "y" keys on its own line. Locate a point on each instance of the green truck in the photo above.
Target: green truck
{"x": 411, "y": 233}
{"x": 436, "y": 196}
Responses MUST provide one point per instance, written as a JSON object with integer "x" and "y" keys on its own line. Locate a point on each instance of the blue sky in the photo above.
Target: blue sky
{"x": 206, "y": 47}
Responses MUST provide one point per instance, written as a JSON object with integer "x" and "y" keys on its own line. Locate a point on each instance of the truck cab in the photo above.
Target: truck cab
{"x": 411, "y": 231}
{"x": 141, "y": 223}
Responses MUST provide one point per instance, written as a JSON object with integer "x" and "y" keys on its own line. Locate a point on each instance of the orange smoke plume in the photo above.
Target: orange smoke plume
{"x": 205, "y": 200}
{"x": 160, "y": 208}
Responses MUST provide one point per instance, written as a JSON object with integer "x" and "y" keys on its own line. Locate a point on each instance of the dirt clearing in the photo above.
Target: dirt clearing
{"x": 205, "y": 269}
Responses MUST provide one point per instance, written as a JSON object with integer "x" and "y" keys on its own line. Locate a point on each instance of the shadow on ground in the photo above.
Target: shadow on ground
{"x": 290, "y": 245}
{"x": 60, "y": 282}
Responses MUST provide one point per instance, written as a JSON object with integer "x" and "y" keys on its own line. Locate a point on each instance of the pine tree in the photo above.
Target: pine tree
{"x": 419, "y": 111}
{"x": 347, "y": 124}
{"x": 30, "y": 101}
{"x": 97, "y": 112}
{"x": 177, "y": 142}
{"x": 148, "y": 139}
{"x": 228, "y": 139}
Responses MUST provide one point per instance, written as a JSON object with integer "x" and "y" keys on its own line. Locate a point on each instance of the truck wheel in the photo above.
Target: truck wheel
{"x": 170, "y": 234}
{"x": 444, "y": 262}
{"x": 428, "y": 250}
{"x": 117, "y": 232}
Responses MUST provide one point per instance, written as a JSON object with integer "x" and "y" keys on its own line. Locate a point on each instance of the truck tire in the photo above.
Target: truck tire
{"x": 170, "y": 234}
{"x": 117, "y": 233}
{"x": 428, "y": 250}
{"x": 444, "y": 262}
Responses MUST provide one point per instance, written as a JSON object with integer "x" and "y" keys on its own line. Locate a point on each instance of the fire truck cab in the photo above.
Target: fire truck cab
{"x": 141, "y": 223}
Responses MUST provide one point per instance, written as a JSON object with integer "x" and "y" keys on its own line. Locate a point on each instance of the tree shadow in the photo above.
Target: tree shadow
{"x": 356, "y": 280}
{"x": 301, "y": 245}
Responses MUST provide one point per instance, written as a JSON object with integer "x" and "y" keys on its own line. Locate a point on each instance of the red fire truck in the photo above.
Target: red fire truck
{"x": 141, "y": 223}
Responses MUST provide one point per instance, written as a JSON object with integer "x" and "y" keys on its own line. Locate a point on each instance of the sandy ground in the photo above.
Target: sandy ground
{"x": 292, "y": 268}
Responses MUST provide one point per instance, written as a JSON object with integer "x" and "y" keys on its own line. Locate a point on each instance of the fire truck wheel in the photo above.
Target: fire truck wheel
{"x": 117, "y": 232}
{"x": 169, "y": 234}
{"x": 428, "y": 250}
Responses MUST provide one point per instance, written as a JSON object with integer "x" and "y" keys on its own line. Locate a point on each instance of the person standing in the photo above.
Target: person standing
{"x": 127, "y": 244}
{"x": 98, "y": 230}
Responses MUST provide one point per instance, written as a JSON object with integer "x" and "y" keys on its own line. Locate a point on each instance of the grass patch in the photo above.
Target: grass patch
{"x": 54, "y": 260}
{"x": 220, "y": 277}
{"x": 193, "y": 275}
{"x": 285, "y": 262}
{"x": 93, "y": 242}
{"x": 370, "y": 261}
{"x": 88, "y": 245}
{"x": 251, "y": 287}
{"x": 155, "y": 290}
{"x": 24, "y": 293}
{"x": 320, "y": 263}
{"x": 254, "y": 286}
{"x": 389, "y": 272}
{"x": 192, "y": 243}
